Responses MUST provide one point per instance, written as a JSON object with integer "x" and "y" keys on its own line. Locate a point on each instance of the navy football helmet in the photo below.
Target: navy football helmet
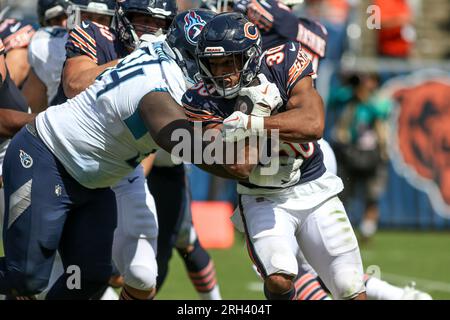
{"x": 164, "y": 10}
{"x": 49, "y": 9}
{"x": 229, "y": 34}
{"x": 182, "y": 37}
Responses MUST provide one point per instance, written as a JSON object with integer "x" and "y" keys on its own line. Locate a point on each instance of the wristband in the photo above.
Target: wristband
{"x": 257, "y": 124}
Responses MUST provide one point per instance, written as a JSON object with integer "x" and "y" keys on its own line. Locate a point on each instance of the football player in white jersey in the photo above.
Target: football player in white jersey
{"x": 46, "y": 56}
{"x": 58, "y": 174}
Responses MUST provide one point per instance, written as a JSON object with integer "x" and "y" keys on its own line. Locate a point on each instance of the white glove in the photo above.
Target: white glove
{"x": 288, "y": 173}
{"x": 236, "y": 126}
{"x": 265, "y": 97}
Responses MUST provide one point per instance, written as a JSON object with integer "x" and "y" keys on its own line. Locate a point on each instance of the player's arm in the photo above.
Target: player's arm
{"x": 270, "y": 14}
{"x": 81, "y": 67}
{"x": 35, "y": 91}
{"x": 304, "y": 119}
{"x": 12, "y": 121}
{"x": 164, "y": 118}
{"x": 80, "y": 72}
{"x": 18, "y": 66}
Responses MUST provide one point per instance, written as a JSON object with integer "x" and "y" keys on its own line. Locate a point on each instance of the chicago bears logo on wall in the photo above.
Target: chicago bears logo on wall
{"x": 420, "y": 150}
{"x": 193, "y": 25}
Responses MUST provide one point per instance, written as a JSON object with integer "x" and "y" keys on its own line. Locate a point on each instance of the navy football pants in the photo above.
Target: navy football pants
{"x": 47, "y": 210}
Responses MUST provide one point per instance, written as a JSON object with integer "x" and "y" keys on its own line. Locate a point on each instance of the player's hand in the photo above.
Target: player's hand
{"x": 265, "y": 97}
{"x": 285, "y": 172}
{"x": 236, "y": 127}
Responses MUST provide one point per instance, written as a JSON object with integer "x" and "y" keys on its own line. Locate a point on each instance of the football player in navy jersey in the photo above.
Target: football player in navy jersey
{"x": 279, "y": 25}
{"x": 91, "y": 49}
{"x": 302, "y": 198}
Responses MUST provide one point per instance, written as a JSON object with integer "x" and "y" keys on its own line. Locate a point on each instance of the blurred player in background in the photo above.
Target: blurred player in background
{"x": 46, "y": 54}
{"x": 16, "y": 36}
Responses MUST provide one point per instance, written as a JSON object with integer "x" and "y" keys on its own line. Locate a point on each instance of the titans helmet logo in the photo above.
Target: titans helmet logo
{"x": 193, "y": 25}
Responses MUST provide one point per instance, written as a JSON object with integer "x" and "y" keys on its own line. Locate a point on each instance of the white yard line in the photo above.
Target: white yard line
{"x": 255, "y": 286}
{"x": 424, "y": 284}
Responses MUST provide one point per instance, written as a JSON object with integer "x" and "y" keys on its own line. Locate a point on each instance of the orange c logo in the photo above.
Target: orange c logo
{"x": 248, "y": 34}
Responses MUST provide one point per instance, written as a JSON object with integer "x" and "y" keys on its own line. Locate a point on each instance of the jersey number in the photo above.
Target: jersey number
{"x": 117, "y": 73}
{"x": 275, "y": 55}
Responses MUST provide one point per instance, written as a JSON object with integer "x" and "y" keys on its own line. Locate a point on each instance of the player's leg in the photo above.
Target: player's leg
{"x": 86, "y": 246}
{"x": 197, "y": 261}
{"x": 378, "y": 289}
{"x": 201, "y": 270}
{"x": 271, "y": 243}
{"x": 135, "y": 239}
{"x": 307, "y": 285}
{"x": 329, "y": 244}
{"x": 375, "y": 184}
{"x": 163, "y": 183}
{"x": 35, "y": 212}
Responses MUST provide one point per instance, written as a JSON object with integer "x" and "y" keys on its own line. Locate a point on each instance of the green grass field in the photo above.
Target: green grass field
{"x": 423, "y": 257}
{"x": 402, "y": 257}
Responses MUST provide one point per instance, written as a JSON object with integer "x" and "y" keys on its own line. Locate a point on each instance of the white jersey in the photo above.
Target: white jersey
{"x": 99, "y": 135}
{"x": 46, "y": 55}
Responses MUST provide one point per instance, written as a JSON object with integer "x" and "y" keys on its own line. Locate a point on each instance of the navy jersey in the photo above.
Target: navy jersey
{"x": 279, "y": 25}
{"x": 16, "y": 33}
{"x": 284, "y": 66}
{"x": 95, "y": 41}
